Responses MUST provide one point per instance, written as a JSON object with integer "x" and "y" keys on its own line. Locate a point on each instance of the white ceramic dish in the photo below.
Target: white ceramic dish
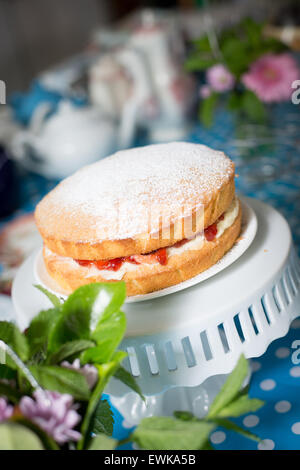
{"x": 249, "y": 228}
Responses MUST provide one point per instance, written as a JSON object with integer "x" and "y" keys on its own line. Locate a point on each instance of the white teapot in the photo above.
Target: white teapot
{"x": 72, "y": 137}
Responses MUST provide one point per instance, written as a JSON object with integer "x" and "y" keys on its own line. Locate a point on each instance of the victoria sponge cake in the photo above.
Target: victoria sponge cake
{"x": 152, "y": 216}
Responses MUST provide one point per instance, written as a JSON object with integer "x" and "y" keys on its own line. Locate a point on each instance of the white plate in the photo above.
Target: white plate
{"x": 249, "y": 228}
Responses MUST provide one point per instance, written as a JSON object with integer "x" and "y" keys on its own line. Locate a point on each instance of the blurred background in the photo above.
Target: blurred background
{"x": 80, "y": 80}
{"x": 37, "y": 34}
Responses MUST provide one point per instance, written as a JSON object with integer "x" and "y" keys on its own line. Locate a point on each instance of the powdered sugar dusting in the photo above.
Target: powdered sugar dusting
{"x": 120, "y": 194}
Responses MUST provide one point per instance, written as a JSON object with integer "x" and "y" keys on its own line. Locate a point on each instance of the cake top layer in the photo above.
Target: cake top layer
{"x": 115, "y": 198}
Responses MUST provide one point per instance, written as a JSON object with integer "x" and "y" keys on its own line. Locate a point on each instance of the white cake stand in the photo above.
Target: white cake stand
{"x": 181, "y": 346}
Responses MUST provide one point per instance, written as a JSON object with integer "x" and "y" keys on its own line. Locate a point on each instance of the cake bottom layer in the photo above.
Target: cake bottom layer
{"x": 146, "y": 278}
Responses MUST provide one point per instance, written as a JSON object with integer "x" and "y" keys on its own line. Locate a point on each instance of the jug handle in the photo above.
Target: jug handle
{"x": 133, "y": 61}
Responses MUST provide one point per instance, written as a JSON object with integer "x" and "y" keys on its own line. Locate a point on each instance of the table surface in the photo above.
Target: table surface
{"x": 276, "y": 378}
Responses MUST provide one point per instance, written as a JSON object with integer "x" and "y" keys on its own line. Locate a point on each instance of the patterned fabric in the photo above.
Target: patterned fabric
{"x": 275, "y": 380}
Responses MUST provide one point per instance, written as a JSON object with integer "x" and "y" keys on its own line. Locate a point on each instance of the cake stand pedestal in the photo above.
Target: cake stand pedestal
{"x": 181, "y": 346}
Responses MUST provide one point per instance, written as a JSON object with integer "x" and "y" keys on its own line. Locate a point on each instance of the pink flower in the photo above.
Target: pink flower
{"x": 205, "y": 91}
{"x": 271, "y": 76}
{"x": 54, "y": 413}
{"x": 88, "y": 371}
{"x": 219, "y": 78}
{"x": 6, "y": 410}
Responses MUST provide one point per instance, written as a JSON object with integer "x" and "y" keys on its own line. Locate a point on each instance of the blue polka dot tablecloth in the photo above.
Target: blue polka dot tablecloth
{"x": 269, "y": 170}
{"x": 275, "y": 380}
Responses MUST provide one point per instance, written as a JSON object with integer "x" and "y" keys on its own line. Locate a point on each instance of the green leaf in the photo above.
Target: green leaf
{"x": 38, "y": 332}
{"x": 202, "y": 56}
{"x": 253, "y": 107}
{"x": 272, "y": 45}
{"x": 56, "y": 301}
{"x": 124, "y": 376}
{"x": 102, "y": 421}
{"x": 17, "y": 437}
{"x": 240, "y": 406}
{"x": 118, "y": 357}
{"x": 243, "y": 391}
{"x": 61, "y": 380}
{"x": 46, "y": 440}
{"x": 11, "y": 335}
{"x": 202, "y": 44}
{"x": 166, "y": 433}
{"x": 254, "y": 32}
{"x": 108, "y": 334}
{"x": 207, "y": 109}
{"x": 70, "y": 349}
{"x": 184, "y": 415}
{"x": 6, "y": 372}
{"x": 225, "y": 423}
{"x": 84, "y": 309}
{"x": 207, "y": 446}
{"x": 102, "y": 442}
{"x": 234, "y": 102}
{"x": 230, "y": 389}
{"x": 9, "y": 392}
{"x": 198, "y": 62}
{"x": 235, "y": 55}
{"x": 105, "y": 371}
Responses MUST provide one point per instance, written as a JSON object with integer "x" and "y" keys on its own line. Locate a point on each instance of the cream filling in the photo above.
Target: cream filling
{"x": 195, "y": 244}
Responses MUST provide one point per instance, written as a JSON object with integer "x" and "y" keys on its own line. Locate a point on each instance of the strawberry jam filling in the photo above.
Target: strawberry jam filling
{"x": 160, "y": 256}
{"x": 211, "y": 232}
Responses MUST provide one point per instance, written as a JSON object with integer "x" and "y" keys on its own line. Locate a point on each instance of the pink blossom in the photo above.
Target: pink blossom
{"x": 271, "y": 76}
{"x": 219, "y": 78}
{"x": 205, "y": 91}
{"x": 88, "y": 371}
{"x": 6, "y": 410}
{"x": 54, "y": 413}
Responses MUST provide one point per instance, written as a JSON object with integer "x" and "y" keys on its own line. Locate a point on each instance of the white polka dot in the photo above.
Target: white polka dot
{"x": 218, "y": 437}
{"x": 281, "y": 353}
{"x": 296, "y": 428}
{"x": 266, "y": 444}
{"x": 296, "y": 324}
{"x": 267, "y": 384}
{"x": 255, "y": 366}
{"x": 283, "y": 406}
{"x": 295, "y": 371}
{"x": 250, "y": 421}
